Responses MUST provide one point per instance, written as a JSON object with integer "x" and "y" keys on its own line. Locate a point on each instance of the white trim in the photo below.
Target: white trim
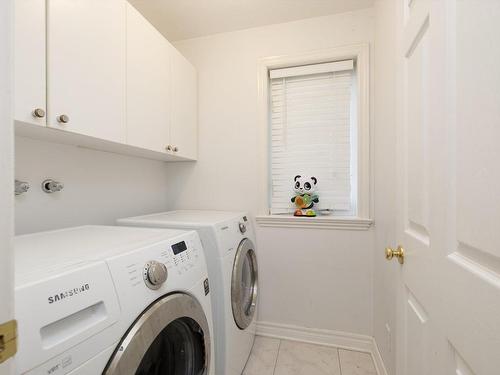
{"x": 319, "y": 222}
{"x": 358, "y": 52}
{"x": 336, "y": 66}
{"x": 338, "y": 339}
{"x": 377, "y": 359}
{"x": 7, "y": 169}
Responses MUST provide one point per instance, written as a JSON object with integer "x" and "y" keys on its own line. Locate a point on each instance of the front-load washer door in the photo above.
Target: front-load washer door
{"x": 171, "y": 337}
{"x": 244, "y": 284}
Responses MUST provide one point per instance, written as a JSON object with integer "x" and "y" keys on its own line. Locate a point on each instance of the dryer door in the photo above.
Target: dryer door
{"x": 171, "y": 337}
{"x": 244, "y": 284}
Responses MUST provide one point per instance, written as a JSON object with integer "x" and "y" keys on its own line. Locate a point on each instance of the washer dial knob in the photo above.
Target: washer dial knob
{"x": 243, "y": 227}
{"x": 155, "y": 274}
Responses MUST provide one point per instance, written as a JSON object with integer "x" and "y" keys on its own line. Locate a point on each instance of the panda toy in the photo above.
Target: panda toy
{"x": 305, "y": 196}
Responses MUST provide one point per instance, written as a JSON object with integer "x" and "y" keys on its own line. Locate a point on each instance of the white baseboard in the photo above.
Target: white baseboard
{"x": 338, "y": 339}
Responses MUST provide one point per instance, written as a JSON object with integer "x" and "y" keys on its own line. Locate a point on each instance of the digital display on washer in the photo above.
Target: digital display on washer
{"x": 179, "y": 247}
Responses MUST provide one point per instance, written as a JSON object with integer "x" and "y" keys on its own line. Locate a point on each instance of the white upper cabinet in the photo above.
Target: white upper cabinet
{"x": 100, "y": 73}
{"x": 86, "y": 67}
{"x": 148, "y": 84}
{"x": 184, "y": 127}
{"x": 29, "y": 43}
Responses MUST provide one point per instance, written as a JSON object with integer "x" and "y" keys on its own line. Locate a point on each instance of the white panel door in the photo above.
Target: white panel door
{"x": 420, "y": 216}
{"x": 184, "y": 128}
{"x": 86, "y": 67}
{"x": 449, "y": 183}
{"x": 29, "y": 61}
{"x": 148, "y": 84}
{"x": 471, "y": 272}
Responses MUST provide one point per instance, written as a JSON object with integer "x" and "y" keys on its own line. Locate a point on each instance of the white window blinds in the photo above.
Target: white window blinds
{"x": 311, "y": 133}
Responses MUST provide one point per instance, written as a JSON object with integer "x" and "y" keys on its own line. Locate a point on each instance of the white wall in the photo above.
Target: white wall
{"x": 99, "y": 186}
{"x": 310, "y": 278}
{"x": 316, "y": 278}
{"x": 384, "y": 133}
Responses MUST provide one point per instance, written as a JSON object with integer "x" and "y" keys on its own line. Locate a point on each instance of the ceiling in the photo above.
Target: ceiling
{"x": 185, "y": 19}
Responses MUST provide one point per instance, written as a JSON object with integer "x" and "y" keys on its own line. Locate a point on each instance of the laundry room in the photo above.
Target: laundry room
{"x": 249, "y": 188}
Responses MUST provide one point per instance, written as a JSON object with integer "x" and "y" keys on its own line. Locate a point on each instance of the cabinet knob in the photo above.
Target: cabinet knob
{"x": 175, "y": 148}
{"x": 38, "y": 113}
{"x": 63, "y": 119}
{"x": 168, "y": 147}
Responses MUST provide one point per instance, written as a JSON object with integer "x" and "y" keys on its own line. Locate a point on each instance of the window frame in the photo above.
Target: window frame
{"x": 360, "y": 54}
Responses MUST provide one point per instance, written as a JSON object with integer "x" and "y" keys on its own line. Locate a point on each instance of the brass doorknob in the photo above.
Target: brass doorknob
{"x": 398, "y": 253}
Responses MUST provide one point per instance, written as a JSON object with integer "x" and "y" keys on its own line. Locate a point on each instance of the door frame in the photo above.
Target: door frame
{"x": 6, "y": 170}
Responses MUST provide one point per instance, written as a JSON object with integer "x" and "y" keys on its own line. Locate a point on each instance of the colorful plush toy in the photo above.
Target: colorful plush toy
{"x": 305, "y": 197}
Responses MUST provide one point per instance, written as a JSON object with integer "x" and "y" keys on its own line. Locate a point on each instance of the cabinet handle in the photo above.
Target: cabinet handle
{"x": 63, "y": 119}
{"x": 38, "y": 113}
{"x": 168, "y": 148}
{"x": 175, "y": 148}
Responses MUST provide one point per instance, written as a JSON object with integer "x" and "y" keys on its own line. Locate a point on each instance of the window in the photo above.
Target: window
{"x": 313, "y": 124}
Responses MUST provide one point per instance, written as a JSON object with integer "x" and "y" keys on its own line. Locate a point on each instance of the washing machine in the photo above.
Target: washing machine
{"x": 113, "y": 300}
{"x": 228, "y": 240}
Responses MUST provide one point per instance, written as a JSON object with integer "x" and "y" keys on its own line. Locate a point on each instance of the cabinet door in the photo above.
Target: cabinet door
{"x": 148, "y": 84}
{"x": 184, "y": 128}
{"x": 86, "y": 67}
{"x": 29, "y": 61}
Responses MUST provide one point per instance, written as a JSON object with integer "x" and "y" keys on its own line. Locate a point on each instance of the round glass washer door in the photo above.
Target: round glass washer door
{"x": 244, "y": 284}
{"x": 171, "y": 337}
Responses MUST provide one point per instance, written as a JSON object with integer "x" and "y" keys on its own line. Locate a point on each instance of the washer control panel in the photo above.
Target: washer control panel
{"x": 161, "y": 264}
{"x": 183, "y": 256}
{"x": 171, "y": 264}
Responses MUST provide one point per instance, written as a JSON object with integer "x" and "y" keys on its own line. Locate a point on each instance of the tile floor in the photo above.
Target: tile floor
{"x": 282, "y": 357}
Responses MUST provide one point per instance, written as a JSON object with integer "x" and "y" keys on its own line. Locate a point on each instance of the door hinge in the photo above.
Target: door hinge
{"x": 8, "y": 340}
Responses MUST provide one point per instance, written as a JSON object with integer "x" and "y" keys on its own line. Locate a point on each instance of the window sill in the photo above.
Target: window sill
{"x": 319, "y": 222}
